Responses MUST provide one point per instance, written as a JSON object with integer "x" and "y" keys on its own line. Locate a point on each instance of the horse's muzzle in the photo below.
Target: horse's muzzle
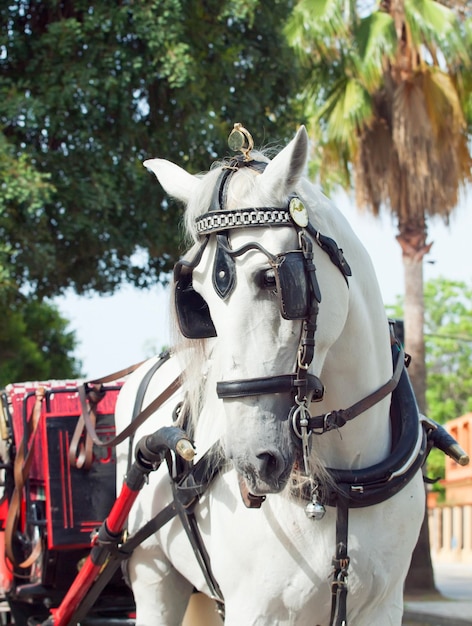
{"x": 267, "y": 472}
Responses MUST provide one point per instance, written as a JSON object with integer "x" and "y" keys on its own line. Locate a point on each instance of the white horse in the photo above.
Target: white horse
{"x": 273, "y": 565}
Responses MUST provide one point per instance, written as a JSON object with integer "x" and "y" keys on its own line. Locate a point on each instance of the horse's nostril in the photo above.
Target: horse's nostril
{"x": 271, "y": 464}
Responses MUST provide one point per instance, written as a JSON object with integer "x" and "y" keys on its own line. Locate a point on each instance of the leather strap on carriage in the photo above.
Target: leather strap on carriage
{"x": 81, "y": 455}
{"x": 21, "y": 469}
{"x": 78, "y": 452}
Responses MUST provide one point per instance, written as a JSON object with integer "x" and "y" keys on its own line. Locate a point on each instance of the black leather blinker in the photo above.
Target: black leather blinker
{"x": 193, "y": 314}
{"x": 292, "y": 286}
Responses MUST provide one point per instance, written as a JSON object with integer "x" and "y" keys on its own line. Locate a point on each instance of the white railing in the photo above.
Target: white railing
{"x": 450, "y": 533}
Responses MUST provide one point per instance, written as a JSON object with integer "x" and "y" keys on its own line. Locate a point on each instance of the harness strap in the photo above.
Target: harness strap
{"x": 139, "y": 400}
{"x": 81, "y": 454}
{"x": 332, "y": 249}
{"x": 306, "y": 346}
{"x": 133, "y": 426}
{"x": 337, "y": 419}
{"x": 189, "y": 523}
{"x": 340, "y": 564}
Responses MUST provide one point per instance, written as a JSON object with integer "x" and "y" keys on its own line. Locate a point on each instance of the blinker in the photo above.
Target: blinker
{"x": 292, "y": 285}
{"x": 193, "y": 313}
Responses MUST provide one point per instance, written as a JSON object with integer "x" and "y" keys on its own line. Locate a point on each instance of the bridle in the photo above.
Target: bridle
{"x": 412, "y": 436}
{"x": 299, "y": 298}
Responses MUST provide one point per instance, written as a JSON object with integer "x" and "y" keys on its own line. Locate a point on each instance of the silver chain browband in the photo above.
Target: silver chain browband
{"x": 215, "y": 221}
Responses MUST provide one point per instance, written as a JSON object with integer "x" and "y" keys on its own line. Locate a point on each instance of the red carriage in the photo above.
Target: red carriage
{"x": 58, "y": 487}
{"x": 61, "y": 524}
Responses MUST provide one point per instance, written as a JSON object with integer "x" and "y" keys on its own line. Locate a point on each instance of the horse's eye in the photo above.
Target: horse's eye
{"x": 267, "y": 280}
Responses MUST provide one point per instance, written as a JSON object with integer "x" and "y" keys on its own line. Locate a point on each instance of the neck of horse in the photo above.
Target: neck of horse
{"x": 356, "y": 365}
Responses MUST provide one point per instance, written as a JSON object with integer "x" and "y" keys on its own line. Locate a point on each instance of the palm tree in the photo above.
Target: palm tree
{"x": 387, "y": 99}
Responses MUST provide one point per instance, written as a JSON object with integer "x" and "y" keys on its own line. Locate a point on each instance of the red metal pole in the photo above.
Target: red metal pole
{"x": 113, "y": 525}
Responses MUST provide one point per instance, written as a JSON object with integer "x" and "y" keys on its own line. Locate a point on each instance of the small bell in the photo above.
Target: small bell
{"x": 315, "y": 509}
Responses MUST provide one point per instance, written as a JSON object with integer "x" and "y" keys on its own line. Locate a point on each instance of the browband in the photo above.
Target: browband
{"x": 224, "y": 220}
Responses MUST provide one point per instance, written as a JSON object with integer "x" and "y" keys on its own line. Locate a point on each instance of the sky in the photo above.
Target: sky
{"x": 116, "y": 331}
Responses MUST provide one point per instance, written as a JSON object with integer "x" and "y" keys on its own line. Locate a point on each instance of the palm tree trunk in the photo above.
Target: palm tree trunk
{"x": 420, "y": 577}
{"x": 414, "y": 326}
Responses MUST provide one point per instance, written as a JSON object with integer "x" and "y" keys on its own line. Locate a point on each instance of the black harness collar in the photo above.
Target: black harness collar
{"x": 379, "y": 482}
{"x": 413, "y": 437}
{"x": 412, "y": 440}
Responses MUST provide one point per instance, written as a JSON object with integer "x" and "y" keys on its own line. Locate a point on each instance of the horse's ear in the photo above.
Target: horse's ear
{"x": 285, "y": 170}
{"x": 177, "y": 182}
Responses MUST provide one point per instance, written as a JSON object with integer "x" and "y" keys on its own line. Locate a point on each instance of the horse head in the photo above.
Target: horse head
{"x": 266, "y": 279}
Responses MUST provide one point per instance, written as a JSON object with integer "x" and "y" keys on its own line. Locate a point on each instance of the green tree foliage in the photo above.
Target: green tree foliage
{"x": 449, "y": 348}
{"x": 91, "y": 89}
{"x": 23, "y": 192}
{"x": 448, "y": 339}
{"x": 35, "y": 343}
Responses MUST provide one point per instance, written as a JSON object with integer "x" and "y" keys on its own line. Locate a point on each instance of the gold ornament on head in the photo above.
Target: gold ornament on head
{"x": 240, "y": 140}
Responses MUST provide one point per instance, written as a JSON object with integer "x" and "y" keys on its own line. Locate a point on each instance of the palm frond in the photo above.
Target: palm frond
{"x": 316, "y": 26}
{"x": 375, "y": 39}
{"x": 347, "y": 108}
{"x": 434, "y": 25}
{"x": 323, "y": 17}
{"x": 389, "y": 102}
{"x": 373, "y": 165}
{"x": 442, "y": 102}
